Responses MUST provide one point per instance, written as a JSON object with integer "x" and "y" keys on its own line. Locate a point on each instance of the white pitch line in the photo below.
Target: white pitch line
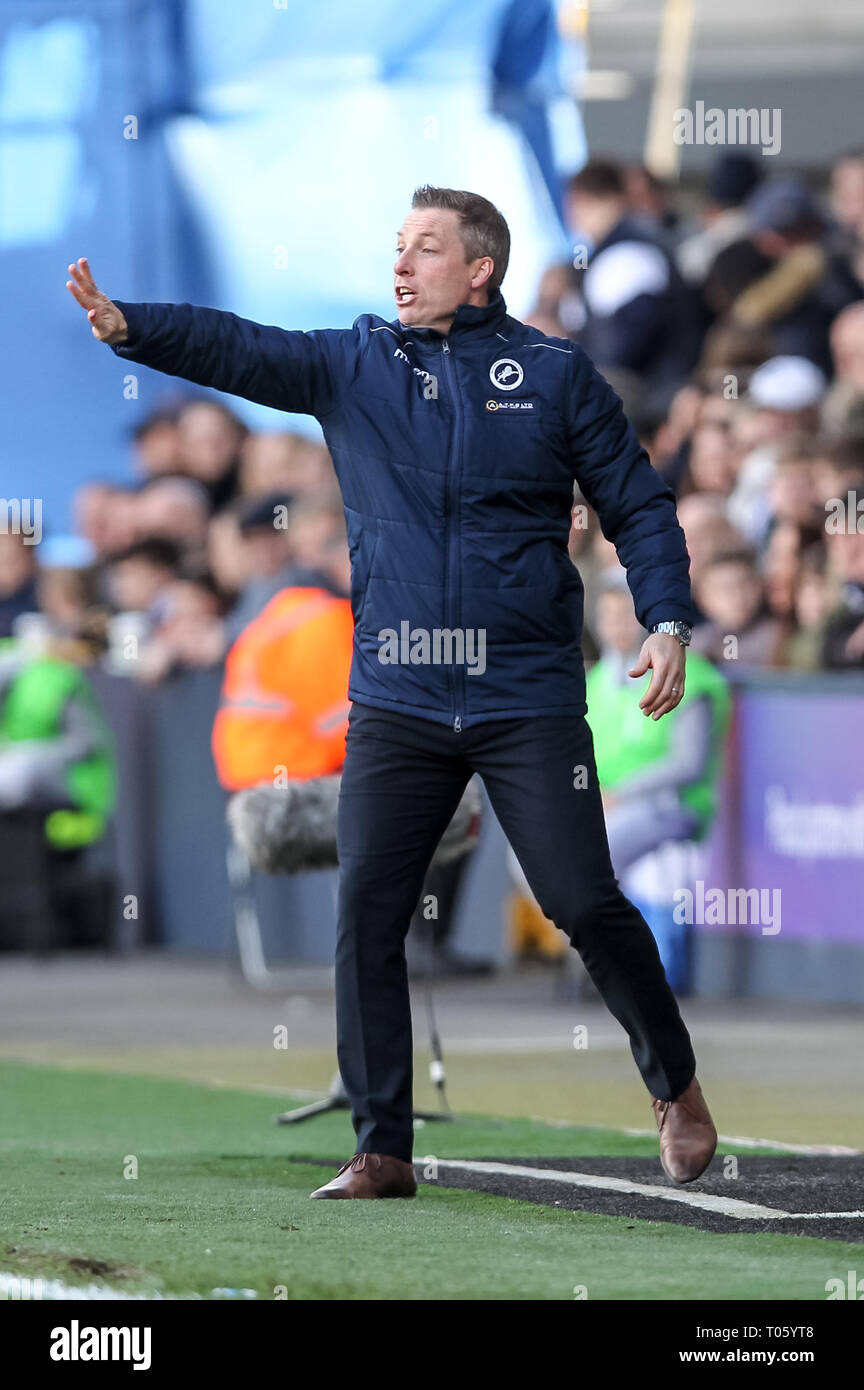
{"x": 823, "y": 1215}
{"x": 725, "y": 1206}
{"x": 744, "y": 1141}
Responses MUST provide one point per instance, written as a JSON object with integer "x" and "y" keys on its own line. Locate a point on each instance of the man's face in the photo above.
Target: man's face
{"x": 431, "y": 276}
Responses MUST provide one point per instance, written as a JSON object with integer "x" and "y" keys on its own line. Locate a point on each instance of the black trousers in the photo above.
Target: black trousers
{"x": 402, "y": 780}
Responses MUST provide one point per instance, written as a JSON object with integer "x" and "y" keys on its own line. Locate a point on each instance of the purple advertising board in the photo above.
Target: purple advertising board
{"x": 792, "y": 815}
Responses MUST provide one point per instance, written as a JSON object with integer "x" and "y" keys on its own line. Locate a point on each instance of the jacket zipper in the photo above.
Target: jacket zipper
{"x": 453, "y": 477}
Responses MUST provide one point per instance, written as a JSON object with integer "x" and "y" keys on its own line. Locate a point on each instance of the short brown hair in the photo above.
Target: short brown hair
{"x": 599, "y": 178}
{"x": 482, "y": 229}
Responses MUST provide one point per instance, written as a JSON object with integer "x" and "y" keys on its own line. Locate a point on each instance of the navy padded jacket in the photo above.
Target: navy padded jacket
{"x": 456, "y": 457}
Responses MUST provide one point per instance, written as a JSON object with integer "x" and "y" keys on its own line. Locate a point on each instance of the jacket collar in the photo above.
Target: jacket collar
{"x": 472, "y": 321}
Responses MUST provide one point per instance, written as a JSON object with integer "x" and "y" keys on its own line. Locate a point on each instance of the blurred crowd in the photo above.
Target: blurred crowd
{"x": 164, "y": 572}
{"x": 734, "y": 334}
{"x": 732, "y": 327}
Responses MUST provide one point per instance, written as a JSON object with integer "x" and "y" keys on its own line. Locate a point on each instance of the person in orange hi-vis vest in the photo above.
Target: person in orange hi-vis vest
{"x": 284, "y": 707}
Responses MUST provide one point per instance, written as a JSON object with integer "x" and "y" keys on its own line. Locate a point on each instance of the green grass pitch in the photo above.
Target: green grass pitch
{"x": 216, "y": 1204}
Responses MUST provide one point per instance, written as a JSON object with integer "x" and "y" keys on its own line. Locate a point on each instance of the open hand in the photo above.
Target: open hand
{"x": 664, "y": 656}
{"x": 106, "y": 320}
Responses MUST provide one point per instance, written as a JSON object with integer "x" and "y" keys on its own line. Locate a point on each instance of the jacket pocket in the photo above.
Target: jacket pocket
{"x": 362, "y": 549}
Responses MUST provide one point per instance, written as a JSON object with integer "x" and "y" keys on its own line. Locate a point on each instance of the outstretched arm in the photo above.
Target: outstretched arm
{"x": 304, "y": 372}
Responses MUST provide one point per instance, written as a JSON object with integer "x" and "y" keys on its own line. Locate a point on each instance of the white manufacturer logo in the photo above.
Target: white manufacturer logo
{"x": 506, "y": 374}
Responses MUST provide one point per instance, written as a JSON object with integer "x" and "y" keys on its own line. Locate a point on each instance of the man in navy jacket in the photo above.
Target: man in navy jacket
{"x": 457, "y": 433}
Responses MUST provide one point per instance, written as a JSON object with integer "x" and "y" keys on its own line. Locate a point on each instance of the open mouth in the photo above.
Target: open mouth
{"x": 404, "y": 295}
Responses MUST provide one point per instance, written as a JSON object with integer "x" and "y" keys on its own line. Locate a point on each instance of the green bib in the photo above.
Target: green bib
{"x": 32, "y": 709}
{"x": 626, "y": 742}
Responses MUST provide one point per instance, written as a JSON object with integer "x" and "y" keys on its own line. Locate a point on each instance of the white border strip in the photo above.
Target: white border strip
{"x": 26, "y": 1288}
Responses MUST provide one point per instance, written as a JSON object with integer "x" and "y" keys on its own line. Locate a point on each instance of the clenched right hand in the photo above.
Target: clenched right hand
{"x": 106, "y": 320}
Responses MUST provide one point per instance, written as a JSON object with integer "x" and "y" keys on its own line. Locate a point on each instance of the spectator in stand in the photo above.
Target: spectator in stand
{"x": 558, "y": 310}
{"x": 139, "y": 578}
{"x": 651, "y": 207}
{"x": 838, "y": 470}
{"x": 843, "y": 637}
{"x": 226, "y": 554}
{"x": 267, "y": 559}
{"x": 156, "y": 443}
{"x": 847, "y": 200}
{"x": 190, "y": 633}
{"x": 816, "y": 598}
{"x": 707, "y": 531}
{"x": 781, "y": 565}
{"x": 723, "y": 214}
{"x": 280, "y": 461}
{"x": 843, "y": 410}
{"x": 793, "y": 491}
{"x": 312, "y": 524}
{"x": 175, "y": 509}
{"x": 730, "y": 593}
{"x": 794, "y": 284}
{"x": 783, "y": 399}
{"x": 210, "y": 439}
{"x": 69, "y": 600}
{"x": 712, "y": 459}
{"x": 847, "y": 192}
{"x": 657, "y": 785}
{"x": 17, "y": 579}
{"x": 106, "y": 517}
{"x": 638, "y": 314}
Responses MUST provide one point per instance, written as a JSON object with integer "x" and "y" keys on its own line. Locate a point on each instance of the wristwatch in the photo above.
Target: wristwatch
{"x": 680, "y": 630}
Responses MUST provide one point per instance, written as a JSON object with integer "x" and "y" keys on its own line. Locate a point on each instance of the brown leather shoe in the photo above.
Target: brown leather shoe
{"x": 371, "y": 1175}
{"x": 687, "y": 1134}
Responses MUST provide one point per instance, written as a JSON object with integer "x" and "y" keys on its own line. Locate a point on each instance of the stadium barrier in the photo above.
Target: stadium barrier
{"x": 776, "y": 915}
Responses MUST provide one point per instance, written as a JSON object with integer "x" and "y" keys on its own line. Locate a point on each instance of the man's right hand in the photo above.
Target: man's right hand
{"x": 106, "y": 320}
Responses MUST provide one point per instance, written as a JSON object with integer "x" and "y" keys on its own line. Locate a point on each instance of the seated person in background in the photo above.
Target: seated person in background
{"x": 843, "y": 408}
{"x": 658, "y": 777}
{"x": 264, "y": 557}
{"x": 280, "y": 461}
{"x": 722, "y": 213}
{"x": 639, "y": 314}
{"x": 191, "y": 633}
{"x": 731, "y": 594}
{"x": 139, "y": 576}
{"x": 156, "y": 442}
{"x": 843, "y": 638}
{"x": 174, "y": 509}
{"x": 17, "y": 579}
{"x": 209, "y": 440}
{"x": 106, "y": 517}
{"x": 707, "y": 530}
{"x": 56, "y": 750}
{"x": 815, "y": 598}
{"x": 57, "y": 789}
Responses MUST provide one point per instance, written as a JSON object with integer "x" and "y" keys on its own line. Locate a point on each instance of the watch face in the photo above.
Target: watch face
{"x": 676, "y": 629}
